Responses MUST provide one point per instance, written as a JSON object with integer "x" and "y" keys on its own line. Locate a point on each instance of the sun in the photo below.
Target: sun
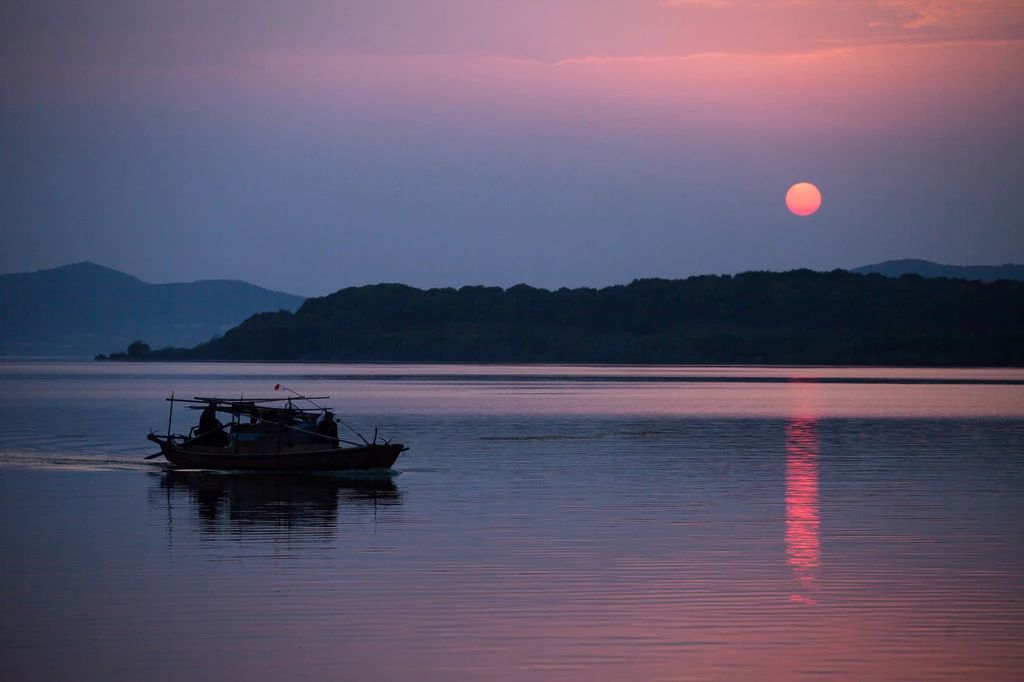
{"x": 803, "y": 199}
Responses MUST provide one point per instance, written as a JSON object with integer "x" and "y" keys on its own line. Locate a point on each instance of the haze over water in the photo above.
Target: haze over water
{"x": 555, "y": 522}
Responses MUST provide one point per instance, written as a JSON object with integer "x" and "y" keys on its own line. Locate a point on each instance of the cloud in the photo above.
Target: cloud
{"x": 924, "y": 13}
{"x": 96, "y": 46}
{"x": 907, "y": 14}
{"x": 738, "y": 3}
{"x": 812, "y": 25}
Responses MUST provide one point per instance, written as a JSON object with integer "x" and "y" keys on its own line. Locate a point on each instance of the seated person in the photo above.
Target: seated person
{"x": 326, "y": 426}
{"x": 211, "y": 431}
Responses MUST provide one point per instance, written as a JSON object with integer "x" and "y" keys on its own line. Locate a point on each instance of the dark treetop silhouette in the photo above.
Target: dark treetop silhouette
{"x": 799, "y": 317}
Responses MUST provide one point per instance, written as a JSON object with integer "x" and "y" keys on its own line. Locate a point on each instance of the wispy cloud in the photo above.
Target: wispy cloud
{"x": 924, "y": 13}
{"x": 908, "y": 14}
{"x": 52, "y": 51}
{"x": 814, "y": 25}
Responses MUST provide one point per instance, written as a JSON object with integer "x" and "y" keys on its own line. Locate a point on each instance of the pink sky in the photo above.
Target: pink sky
{"x": 718, "y": 50}
{"x": 495, "y": 123}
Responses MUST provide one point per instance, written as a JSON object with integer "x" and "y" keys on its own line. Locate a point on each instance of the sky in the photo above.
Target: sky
{"x": 308, "y": 145}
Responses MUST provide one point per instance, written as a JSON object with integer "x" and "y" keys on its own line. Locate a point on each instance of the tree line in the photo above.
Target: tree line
{"x": 797, "y": 317}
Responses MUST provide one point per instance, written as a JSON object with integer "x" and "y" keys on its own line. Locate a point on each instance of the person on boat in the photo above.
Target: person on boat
{"x": 287, "y": 435}
{"x": 211, "y": 431}
{"x": 327, "y": 427}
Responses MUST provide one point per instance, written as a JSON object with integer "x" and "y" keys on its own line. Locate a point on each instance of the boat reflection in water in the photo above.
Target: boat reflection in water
{"x": 803, "y": 552}
{"x": 265, "y": 500}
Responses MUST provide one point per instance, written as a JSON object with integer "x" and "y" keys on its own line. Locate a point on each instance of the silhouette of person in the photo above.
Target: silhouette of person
{"x": 211, "y": 431}
{"x": 326, "y": 426}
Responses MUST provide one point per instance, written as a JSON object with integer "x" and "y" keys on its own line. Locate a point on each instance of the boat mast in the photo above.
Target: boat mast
{"x": 170, "y": 413}
{"x": 236, "y": 420}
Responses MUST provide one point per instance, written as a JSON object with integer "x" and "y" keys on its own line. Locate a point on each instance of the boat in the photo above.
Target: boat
{"x": 270, "y": 434}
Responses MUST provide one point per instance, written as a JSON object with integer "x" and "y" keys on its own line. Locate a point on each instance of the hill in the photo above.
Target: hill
{"x": 911, "y": 266}
{"x": 798, "y": 317}
{"x": 84, "y": 309}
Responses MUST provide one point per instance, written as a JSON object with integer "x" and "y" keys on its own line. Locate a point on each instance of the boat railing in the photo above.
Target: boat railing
{"x": 193, "y": 437}
{"x": 258, "y": 409}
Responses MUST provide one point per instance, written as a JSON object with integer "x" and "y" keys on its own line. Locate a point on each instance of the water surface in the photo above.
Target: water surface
{"x": 549, "y": 522}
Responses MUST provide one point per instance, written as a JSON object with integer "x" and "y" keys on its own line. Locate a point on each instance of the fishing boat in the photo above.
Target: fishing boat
{"x": 273, "y": 434}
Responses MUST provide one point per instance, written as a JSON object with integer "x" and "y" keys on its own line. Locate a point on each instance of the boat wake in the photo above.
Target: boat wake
{"x": 540, "y": 437}
{"x": 73, "y": 461}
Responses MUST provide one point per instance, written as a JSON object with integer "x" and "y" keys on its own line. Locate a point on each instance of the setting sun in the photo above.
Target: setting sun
{"x": 803, "y": 199}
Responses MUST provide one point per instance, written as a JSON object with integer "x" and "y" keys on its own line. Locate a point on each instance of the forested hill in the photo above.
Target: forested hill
{"x": 755, "y": 317}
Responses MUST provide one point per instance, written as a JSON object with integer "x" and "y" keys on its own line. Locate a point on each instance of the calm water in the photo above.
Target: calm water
{"x": 554, "y": 523}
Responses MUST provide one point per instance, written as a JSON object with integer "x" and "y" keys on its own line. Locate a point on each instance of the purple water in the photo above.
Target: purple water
{"x": 557, "y": 522}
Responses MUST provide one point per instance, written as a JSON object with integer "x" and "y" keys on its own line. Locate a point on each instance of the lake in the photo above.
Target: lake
{"x": 548, "y": 523}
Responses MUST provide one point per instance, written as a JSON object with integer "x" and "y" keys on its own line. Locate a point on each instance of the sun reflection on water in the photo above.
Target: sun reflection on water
{"x": 803, "y": 545}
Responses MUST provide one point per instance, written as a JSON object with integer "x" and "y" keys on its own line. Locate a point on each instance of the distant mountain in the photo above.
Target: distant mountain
{"x": 84, "y": 309}
{"x": 912, "y": 266}
{"x": 798, "y": 317}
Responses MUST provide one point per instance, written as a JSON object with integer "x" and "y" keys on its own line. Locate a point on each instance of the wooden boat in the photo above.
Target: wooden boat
{"x": 265, "y": 435}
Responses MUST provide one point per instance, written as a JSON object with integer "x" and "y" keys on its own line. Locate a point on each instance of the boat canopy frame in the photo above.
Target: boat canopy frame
{"x": 265, "y": 411}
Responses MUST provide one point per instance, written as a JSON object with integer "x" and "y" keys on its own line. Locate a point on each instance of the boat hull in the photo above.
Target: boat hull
{"x": 376, "y": 456}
